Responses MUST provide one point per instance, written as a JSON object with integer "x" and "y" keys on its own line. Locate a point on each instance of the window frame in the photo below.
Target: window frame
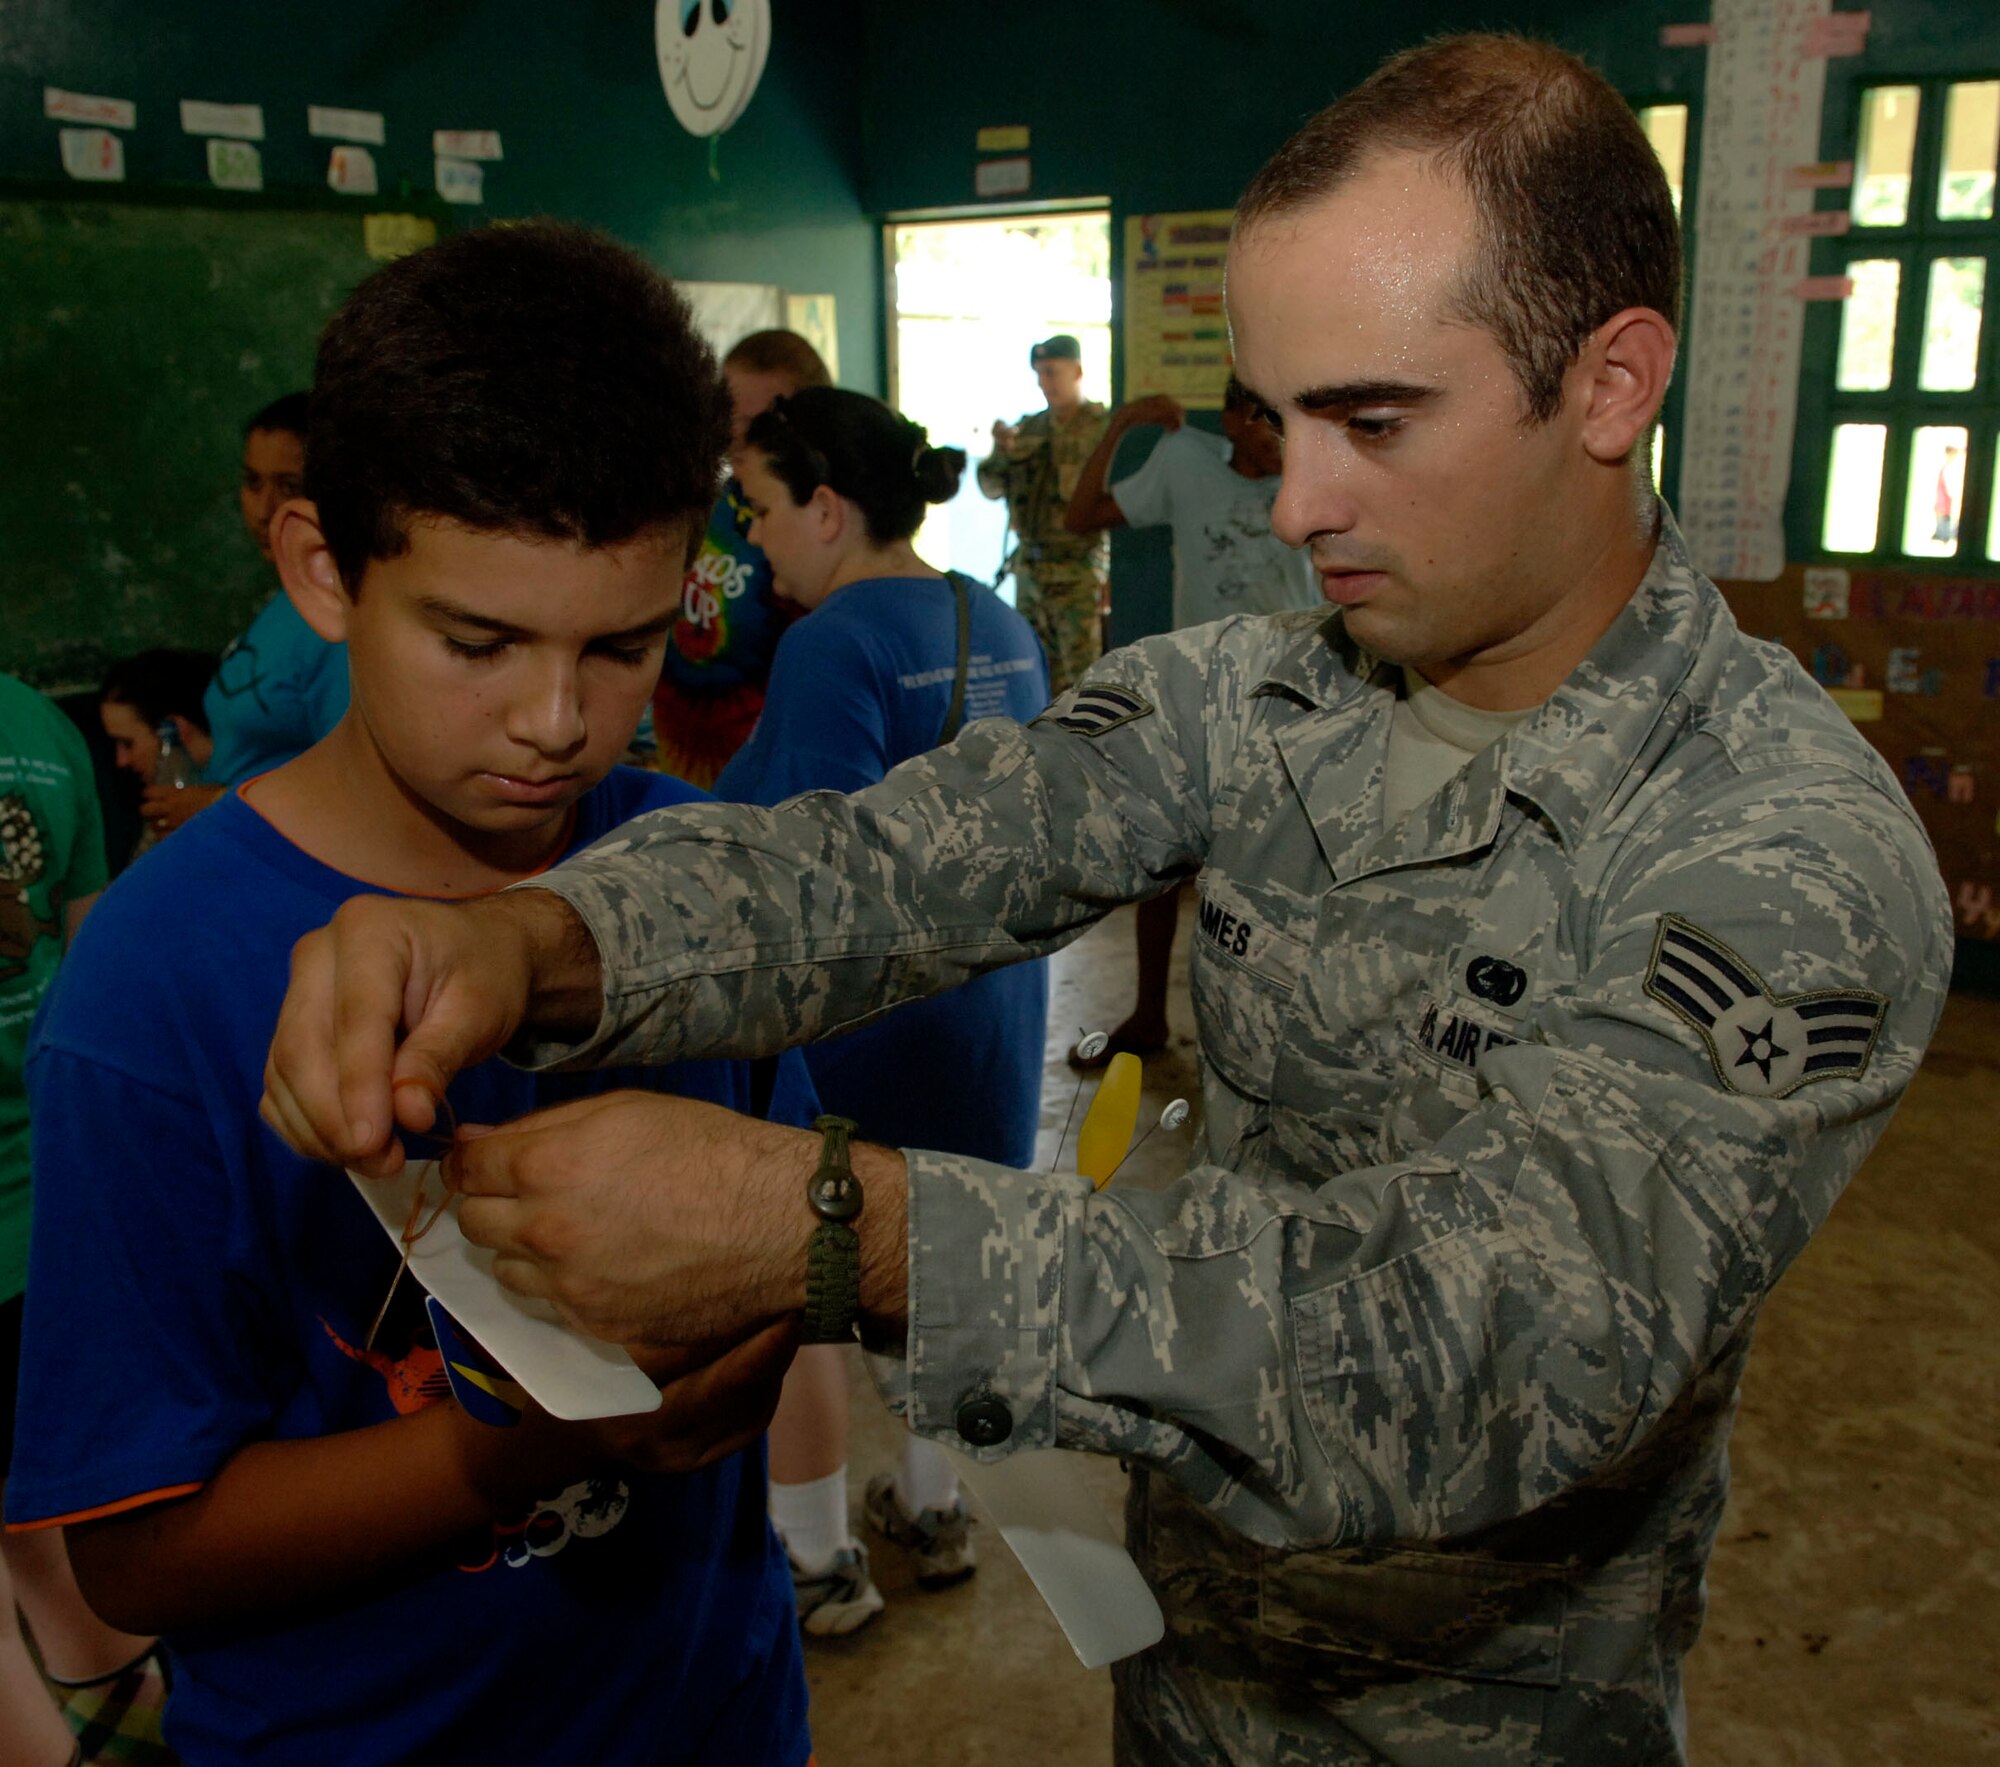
{"x": 1673, "y": 409}
{"x": 1823, "y": 407}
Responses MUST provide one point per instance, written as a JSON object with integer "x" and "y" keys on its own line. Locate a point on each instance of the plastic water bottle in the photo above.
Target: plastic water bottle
{"x": 175, "y": 767}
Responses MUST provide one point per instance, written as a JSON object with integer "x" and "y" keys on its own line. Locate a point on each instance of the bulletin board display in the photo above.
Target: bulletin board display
{"x": 1915, "y": 662}
{"x": 1176, "y": 333}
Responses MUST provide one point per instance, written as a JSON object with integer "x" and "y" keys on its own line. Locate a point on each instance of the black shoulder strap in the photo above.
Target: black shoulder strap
{"x": 954, "y": 720}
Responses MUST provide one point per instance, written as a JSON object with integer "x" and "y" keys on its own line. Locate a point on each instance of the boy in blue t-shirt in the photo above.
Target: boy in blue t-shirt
{"x": 513, "y": 450}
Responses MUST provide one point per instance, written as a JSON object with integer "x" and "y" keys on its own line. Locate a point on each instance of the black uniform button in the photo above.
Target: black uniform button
{"x": 985, "y": 1421}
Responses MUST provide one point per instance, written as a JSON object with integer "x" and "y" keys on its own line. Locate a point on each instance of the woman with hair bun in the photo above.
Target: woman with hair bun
{"x": 891, "y": 658}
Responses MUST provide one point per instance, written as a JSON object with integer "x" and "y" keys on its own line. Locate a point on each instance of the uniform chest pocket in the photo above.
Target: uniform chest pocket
{"x": 1437, "y": 1069}
{"x": 1243, "y": 969}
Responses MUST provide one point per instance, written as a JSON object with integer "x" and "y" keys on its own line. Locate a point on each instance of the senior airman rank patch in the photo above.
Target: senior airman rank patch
{"x": 1092, "y": 710}
{"x": 1761, "y": 1045}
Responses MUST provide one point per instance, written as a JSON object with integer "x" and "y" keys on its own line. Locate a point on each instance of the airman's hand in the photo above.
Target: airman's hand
{"x": 396, "y": 996}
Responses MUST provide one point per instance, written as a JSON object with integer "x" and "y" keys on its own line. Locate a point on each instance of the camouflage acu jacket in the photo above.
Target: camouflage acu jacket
{"x": 1514, "y": 1113}
{"x": 1036, "y": 474}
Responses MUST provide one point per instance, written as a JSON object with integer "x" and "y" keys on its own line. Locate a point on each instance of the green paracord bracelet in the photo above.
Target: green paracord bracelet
{"x": 833, "y": 1254}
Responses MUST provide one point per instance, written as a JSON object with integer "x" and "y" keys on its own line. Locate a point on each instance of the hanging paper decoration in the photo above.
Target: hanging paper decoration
{"x": 712, "y": 54}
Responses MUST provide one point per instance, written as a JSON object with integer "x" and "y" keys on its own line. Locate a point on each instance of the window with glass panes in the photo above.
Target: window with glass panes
{"x": 1666, "y": 127}
{"x": 1912, "y": 447}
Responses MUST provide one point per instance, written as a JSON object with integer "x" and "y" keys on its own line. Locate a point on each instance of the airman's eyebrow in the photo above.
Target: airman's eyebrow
{"x": 1351, "y": 395}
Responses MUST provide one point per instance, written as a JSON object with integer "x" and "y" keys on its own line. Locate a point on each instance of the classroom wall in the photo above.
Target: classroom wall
{"x": 575, "y": 93}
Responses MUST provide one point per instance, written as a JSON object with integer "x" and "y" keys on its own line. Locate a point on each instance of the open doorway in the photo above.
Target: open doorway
{"x": 967, "y": 299}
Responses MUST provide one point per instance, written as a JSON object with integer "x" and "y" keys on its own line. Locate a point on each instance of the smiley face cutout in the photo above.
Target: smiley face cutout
{"x": 712, "y": 54}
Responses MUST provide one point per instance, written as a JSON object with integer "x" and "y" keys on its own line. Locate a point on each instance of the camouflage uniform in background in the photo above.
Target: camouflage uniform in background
{"x": 1514, "y": 1113}
{"x": 1059, "y": 580}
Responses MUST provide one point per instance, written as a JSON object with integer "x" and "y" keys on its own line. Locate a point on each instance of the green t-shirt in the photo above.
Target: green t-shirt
{"x": 51, "y": 853}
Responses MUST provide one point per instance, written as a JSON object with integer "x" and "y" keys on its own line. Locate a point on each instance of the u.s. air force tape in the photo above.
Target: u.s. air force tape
{"x": 1092, "y": 710}
{"x": 1762, "y": 1045}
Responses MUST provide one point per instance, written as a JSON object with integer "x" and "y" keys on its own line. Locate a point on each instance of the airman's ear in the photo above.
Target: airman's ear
{"x": 1621, "y": 377}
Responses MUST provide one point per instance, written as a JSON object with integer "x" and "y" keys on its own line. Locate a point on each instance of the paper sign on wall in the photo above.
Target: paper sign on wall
{"x": 1008, "y": 177}
{"x": 235, "y": 165}
{"x": 81, "y": 107}
{"x": 388, "y": 237}
{"x": 1010, "y": 138}
{"x": 351, "y": 171}
{"x": 1176, "y": 333}
{"x": 461, "y": 181}
{"x": 815, "y": 318}
{"x": 466, "y": 144}
{"x": 1820, "y": 224}
{"x": 240, "y": 122}
{"x": 95, "y": 155}
{"x": 1760, "y": 118}
{"x": 331, "y": 123}
{"x": 1838, "y": 33}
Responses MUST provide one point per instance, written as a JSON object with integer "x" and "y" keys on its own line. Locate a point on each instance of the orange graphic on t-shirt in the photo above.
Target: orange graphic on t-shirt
{"x": 415, "y": 1379}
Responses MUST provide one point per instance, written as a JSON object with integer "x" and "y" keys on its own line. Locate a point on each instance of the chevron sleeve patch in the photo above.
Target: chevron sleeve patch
{"x": 1762, "y": 1045}
{"x": 1093, "y": 710}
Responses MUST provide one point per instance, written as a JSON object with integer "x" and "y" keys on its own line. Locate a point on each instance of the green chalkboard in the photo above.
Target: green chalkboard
{"x": 135, "y": 337}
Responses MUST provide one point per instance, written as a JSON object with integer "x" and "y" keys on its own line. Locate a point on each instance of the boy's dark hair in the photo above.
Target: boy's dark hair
{"x": 780, "y": 352}
{"x": 1575, "y": 219}
{"x": 874, "y": 457}
{"x": 160, "y": 684}
{"x": 291, "y": 413}
{"x": 536, "y": 378}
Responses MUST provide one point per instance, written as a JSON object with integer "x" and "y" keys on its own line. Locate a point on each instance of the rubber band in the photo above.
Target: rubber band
{"x": 419, "y": 1223}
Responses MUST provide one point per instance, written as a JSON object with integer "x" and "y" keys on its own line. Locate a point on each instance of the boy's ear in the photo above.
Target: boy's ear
{"x": 306, "y": 568}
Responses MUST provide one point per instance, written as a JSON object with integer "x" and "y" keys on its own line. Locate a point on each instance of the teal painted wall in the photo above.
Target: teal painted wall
{"x": 572, "y": 87}
{"x": 141, "y": 323}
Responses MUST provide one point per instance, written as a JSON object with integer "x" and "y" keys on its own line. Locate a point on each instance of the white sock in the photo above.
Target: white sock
{"x": 925, "y": 1480}
{"x": 811, "y": 1518}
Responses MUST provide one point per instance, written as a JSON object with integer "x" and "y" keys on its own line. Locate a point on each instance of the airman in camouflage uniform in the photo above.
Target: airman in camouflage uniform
{"x": 1515, "y": 1105}
{"x": 1059, "y": 577}
{"x": 1513, "y": 1113}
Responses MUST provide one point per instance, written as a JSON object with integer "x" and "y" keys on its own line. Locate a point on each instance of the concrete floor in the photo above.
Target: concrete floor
{"x": 1855, "y": 1594}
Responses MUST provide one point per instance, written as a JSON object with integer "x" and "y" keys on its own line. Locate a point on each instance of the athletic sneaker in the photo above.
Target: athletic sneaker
{"x": 940, "y": 1540}
{"x": 838, "y": 1600}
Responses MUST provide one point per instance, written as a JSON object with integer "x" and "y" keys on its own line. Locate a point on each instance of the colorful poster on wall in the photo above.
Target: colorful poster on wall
{"x": 816, "y": 319}
{"x": 1176, "y": 333}
{"x": 1756, "y": 224}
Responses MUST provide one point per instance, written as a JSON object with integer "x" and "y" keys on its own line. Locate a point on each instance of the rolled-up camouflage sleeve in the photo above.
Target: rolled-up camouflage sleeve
{"x": 1519, "y": 1304}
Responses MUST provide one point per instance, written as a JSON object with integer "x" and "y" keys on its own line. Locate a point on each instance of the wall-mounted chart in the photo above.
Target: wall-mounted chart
{"x": 712, "y": 54}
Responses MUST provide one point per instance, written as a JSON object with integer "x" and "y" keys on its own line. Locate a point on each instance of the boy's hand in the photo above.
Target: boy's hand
{"x": 712, "y": 1403}
{"x": 396, "y": 996}
{"x": 710, "y": 1406}
{"x": 649, "y": 1219}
